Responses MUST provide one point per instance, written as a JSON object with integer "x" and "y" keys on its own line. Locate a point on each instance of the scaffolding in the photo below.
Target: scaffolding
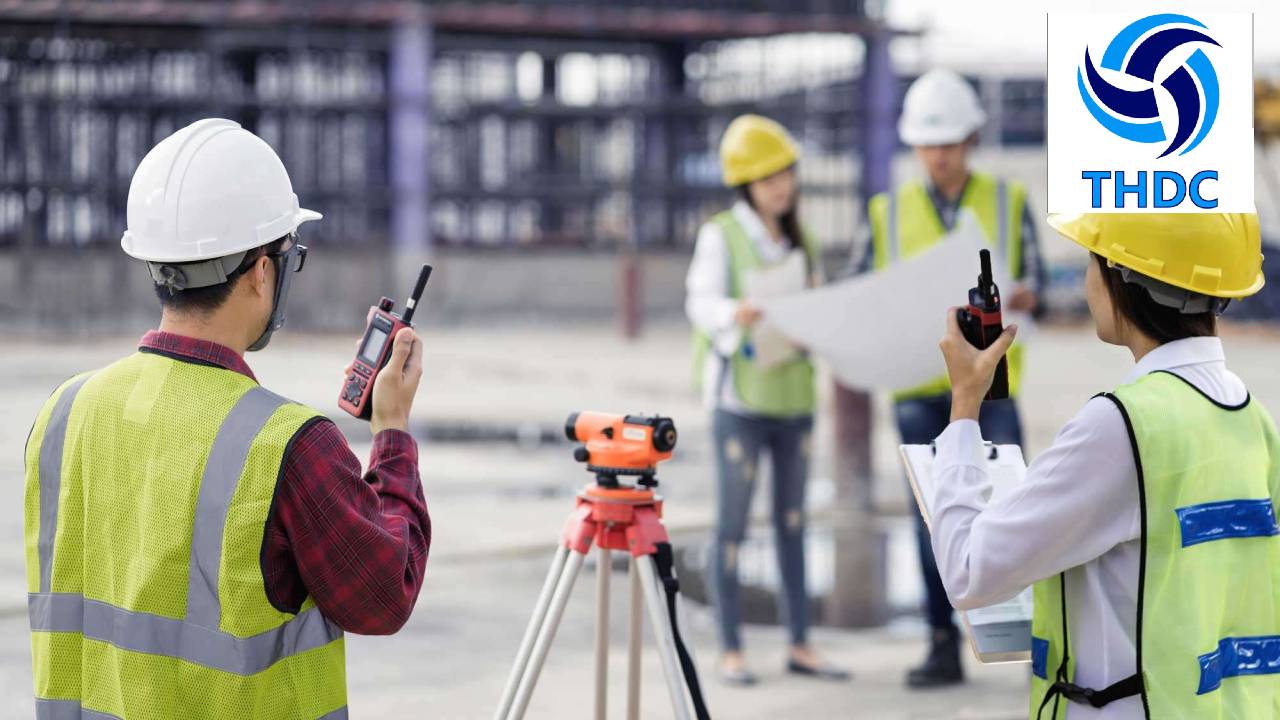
{"x": 593, "y": 127}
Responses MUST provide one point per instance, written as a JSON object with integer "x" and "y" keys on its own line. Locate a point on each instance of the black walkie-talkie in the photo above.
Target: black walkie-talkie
{"x": 981, "y": 323}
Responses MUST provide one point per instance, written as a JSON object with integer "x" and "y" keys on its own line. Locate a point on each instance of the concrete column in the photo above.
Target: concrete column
{"x": 859, "y": 595}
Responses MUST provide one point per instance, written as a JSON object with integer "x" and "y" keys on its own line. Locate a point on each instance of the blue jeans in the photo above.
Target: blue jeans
{"x": 739, "y": 440}
{"x": 920, "y": 420}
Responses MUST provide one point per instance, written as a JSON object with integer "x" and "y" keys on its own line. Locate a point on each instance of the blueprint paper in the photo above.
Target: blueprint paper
{"x": 881, "y": 330}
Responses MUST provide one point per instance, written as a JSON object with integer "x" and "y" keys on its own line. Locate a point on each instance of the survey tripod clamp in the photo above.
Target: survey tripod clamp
{"x": 613, "y": 516}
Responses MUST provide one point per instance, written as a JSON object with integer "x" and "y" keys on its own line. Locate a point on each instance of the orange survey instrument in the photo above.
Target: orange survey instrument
{"x": 616, "y": 445}
{"x": 611, "y": 516}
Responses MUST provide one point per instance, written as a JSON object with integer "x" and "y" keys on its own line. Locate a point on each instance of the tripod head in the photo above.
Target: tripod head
{"x": 621, "y": 445}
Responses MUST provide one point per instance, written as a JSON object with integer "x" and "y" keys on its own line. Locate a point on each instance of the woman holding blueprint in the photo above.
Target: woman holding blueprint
{"x": 1149, "y": 527}
{"x": 758, "y": 387}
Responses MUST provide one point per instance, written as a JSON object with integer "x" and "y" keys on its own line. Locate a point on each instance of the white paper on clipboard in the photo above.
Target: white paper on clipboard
{"x": 998, "y": 633}
{"x": 771, "y": 347}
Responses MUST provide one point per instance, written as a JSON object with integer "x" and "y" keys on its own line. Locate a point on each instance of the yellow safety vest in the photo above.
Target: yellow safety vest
{"x": 1208, "y": 635}
{"x": 148, "y": 489}
{"x": 905, "y": 222}
{"x": 786, "y": 390}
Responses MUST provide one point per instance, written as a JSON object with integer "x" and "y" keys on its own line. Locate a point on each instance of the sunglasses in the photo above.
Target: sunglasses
{"x": 294, "y": 258}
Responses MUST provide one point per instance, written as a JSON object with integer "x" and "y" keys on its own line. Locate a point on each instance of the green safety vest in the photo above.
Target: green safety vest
{"x": 784, "y": 390}
{"x": 1208, "y": 631}
{"x": 148, "y": 488}
{"x": 905, "y": 223}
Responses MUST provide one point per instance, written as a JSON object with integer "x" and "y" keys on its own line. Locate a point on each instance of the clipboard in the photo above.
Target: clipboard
{"x": 998, "y": 633}
{"x": 770, "y": 346}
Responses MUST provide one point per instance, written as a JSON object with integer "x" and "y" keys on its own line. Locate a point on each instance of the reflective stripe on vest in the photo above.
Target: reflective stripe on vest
{"x": 891, "y": 221}
{"x": 71, "y": 710}
{"x": 55, "y": 436}
{"x": 1208, "y": 602}
{"x": 158, "y": 635}
{"x": 1002, "y": 218}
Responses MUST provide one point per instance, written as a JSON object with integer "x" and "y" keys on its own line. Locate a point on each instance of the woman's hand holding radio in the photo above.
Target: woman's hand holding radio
{"x": 397, "y": 383}
{"x": 971, "y": 370}
{"x": 747, "y": 314}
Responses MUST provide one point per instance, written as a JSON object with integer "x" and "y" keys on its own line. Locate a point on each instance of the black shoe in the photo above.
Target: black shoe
{"x": 821, "y": 671}
{"x": 942, "y": 666}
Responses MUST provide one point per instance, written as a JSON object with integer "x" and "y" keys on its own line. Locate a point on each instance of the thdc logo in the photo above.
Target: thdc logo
{"x": 1135, "y": 54}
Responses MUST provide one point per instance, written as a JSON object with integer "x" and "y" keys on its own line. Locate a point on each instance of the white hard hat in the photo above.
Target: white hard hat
{"x": 940, "y": 109}
{"x": 209, "y": 190}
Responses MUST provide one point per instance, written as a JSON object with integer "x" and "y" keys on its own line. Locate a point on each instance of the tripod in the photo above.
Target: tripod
{"x": 612, "y": 518}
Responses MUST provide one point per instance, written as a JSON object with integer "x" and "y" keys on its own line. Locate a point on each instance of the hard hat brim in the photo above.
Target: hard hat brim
{"x": 1070, "y": 226}
{"x": 916, "y": 136}
{"x": 305, "y": 215}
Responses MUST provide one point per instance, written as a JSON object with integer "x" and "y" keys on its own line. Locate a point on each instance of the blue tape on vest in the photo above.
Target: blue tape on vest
{"x": 1227, "y": 519}
{"x": 1040, "y": 657}
{"x": 1239, "y": 656}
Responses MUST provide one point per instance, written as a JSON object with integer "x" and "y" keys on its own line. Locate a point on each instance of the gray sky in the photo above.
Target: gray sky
{"x": 964, "y": 33}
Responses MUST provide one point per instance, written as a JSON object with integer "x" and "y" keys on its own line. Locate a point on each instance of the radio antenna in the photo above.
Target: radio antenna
{"x": 412, "y": 304}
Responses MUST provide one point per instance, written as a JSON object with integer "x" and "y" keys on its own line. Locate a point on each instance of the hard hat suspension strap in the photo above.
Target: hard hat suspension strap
{"x": 1187, "y": 302}
{"x": 191, "y": 275}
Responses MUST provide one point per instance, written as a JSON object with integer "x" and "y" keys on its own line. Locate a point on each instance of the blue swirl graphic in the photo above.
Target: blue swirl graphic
{"x": 1111, "y": 105}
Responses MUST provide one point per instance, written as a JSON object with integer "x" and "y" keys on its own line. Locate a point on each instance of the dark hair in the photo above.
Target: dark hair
{"x": 789, "y": 221}
{"x": 203, "y": 300}
{"x": 1159, "y": 322}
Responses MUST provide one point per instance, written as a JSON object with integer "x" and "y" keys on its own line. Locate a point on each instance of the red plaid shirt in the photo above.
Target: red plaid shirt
{"x": 357, "y": 544}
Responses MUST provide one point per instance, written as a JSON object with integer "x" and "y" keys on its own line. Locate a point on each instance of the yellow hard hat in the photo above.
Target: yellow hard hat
{"x": 755, "y": 147}
{"x": 1215, "y": 254}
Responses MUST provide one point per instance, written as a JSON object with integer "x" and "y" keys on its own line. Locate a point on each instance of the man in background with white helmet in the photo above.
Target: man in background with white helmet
{"x": 196, "y": 544}
{"x": 941, "y": 119}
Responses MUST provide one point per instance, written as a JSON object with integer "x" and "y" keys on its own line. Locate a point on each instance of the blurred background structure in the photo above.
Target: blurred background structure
{"x": 555, "y": 137}
{"x": 553, "y": 159}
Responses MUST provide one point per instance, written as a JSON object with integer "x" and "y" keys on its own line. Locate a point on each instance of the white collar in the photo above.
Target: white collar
{"x": 750, "y": 221}
{"x": 1187, "y": 351}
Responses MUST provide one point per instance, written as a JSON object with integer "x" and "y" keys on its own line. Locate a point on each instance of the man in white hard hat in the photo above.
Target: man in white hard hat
{"x": 196, "y": 544}
{"x": 940, "y": 120}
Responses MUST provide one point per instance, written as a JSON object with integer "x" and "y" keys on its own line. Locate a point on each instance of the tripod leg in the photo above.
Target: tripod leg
{"x": 531, "y": 632}
{"x": 664, "y": 637}
{"x": 633, "y": 650}
{"x": 603, "y": 568}
{"x": 546, "y": 634}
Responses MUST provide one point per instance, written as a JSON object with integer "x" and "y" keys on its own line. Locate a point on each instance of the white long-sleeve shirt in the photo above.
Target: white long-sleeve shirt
{"x": 709, "y": 306}
{"x": 1077, "y": 510}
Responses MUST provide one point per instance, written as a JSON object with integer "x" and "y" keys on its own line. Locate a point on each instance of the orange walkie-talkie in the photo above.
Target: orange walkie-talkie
{"x": 981, "y": 323}
{"x": 375, "y": 349}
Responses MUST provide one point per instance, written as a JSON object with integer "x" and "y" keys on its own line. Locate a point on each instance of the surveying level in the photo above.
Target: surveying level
{"x": 981, "y": 323}
{"x": 618, "y": 445}
{"x": 380, "y": 331}
{"x": 611, "y": 517}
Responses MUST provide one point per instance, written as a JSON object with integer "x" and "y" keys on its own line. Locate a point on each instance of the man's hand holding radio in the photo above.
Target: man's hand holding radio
{"x": 396, "y": 385}
{"x": 971, "y": 370}
{"x": 1022, "y": 299}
